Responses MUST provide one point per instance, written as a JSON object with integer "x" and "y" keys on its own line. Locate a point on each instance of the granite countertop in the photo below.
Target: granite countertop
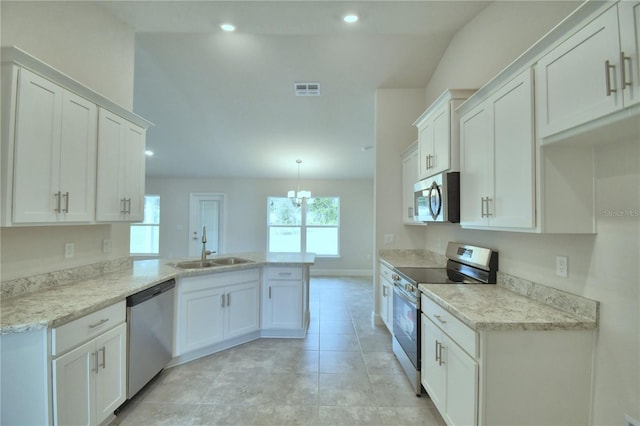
{"x": 492, "y": 307}
{"x": 60, "y": 304}
{"x": 412, "y": 259}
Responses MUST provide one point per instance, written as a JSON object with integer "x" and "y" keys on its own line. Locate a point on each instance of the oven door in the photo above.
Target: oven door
{"x": 406, "y": 325}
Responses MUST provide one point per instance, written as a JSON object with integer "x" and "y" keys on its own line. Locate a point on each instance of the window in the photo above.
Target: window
{"x": 145, "y": 236}
{"x": 313, "y": 227}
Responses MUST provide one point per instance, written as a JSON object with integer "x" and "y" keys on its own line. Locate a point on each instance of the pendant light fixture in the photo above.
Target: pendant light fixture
{"x": 297, "y": 197}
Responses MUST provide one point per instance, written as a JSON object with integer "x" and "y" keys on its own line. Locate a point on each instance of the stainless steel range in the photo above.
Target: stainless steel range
{"x": 466, "y": 264}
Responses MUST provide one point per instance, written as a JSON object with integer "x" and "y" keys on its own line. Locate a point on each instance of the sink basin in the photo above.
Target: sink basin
{"x": 221, "y": 261}
{"x": 224, "y": 261}
{"x": 195, "y": 264}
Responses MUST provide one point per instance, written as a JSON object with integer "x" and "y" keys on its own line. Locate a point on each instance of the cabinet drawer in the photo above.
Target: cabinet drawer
{"x": 386, "y": 272}
{"x": 86, "y": 328}
{"x": 456, "y": 329}
{"x": 283, "y": 273}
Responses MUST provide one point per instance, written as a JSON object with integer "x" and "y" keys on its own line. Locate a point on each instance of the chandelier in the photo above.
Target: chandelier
{"x": 298, "y": 197}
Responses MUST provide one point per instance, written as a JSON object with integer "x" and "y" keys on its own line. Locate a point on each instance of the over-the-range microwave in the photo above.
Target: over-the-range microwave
{"x": 437, "y": 198}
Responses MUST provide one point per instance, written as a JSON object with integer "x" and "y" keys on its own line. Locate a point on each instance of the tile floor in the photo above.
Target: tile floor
{"x": 342, "y": 373}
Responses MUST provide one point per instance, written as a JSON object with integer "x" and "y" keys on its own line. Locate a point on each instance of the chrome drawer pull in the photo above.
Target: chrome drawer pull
{"x": 99, "y": 323}
{"x": 66, "y": 203}
{"x": 607, "y": 67}
{"x": 104, "y": 356}
{"x": 623, "y": 71}
{"x": 439, "y": 318}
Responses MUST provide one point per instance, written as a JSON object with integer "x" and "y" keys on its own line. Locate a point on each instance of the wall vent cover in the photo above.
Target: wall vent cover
{"x": 307, "y": 89}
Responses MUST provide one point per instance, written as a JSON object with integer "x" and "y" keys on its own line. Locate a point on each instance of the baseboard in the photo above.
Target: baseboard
{"x": 341, "y": 272}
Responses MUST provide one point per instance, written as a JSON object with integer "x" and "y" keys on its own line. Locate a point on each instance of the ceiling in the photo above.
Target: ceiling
{"x": 223, "y": 104}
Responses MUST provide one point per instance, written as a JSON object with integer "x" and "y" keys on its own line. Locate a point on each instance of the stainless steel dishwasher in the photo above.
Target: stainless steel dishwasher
{"x": 150, "y": 334}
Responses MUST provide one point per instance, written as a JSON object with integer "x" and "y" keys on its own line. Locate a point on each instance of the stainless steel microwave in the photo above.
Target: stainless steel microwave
{"x": 437, "y": 198}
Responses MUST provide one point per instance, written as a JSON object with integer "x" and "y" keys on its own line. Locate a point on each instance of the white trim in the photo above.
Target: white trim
{"x": 341, "y": 272}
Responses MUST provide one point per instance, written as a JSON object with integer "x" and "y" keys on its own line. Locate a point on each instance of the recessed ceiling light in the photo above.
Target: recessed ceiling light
{"x": 228, "y": 27}
{"x": 148, "y": 153}
{"x": 350, "y": 18}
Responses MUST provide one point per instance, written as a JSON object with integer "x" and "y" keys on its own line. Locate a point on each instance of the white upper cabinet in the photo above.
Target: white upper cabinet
{"x": 581, "y": 79}
{"x": 409, "y": 178}
{"x": 54, "y": 154}
{"x": 629, "y": 16}
{"x": 438, "y": 134}
{"x": 498, "y": 159}
{"x": 49, "y": 154}
{"x": 121, "y": 164}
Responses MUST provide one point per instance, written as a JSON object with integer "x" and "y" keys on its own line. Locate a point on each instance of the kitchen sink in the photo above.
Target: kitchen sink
{"x": 211, "y": 263}
{"x": 195, "y": 264}
{"x": 224, "y": 261}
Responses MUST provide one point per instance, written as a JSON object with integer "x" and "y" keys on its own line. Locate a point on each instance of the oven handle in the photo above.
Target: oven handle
{"x": 411, "y": 300}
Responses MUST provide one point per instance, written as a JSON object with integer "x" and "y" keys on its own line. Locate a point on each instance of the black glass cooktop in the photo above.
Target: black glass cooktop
{"x": 435, "y": 276}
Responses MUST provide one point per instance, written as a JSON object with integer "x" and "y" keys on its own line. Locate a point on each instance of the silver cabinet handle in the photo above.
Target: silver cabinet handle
{"x": 607, "y": 68}
{"x": 222, "y": 297}
{"x": 104, "y": 357}
{"x": 440, "y": 360}
{"x": 102, "y": 321}
{"x": 269, "y": 292}
{"x": 123, "y": 203}
{"x": 439, "y": 318}
{"x": 623, "y": 70}
{"x": 436, "y": 351}
{"x": 66, "y": 202}
{"x": 482, "y": 214}
{"x": 94, "y": 355}
{"x": 58, "y": 195}
{"x": 128, "y": 205}
{"x": 228, "y": 299}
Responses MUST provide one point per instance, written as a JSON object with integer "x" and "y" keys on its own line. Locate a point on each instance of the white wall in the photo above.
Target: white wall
{"x": 603, "y": 267}
{"x": 246, "y": 219}
{"x": 88, "y": 44}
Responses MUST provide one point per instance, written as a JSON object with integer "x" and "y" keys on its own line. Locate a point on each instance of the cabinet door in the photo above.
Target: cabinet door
{"x": 110, "y": 203}
{"x": 201, "y": 313}
{"x": 462, "y": 385}
{"x": 512, "y": 202}
{"x": 629, "y": 16}
{"x": 78, "y": 158}
{"x": 441, "y": 140}
{"x": 37, "y": 149}
{"x": 476, "y": 165}
{"x": 433, "y": 376}
{"x": 409, "y": 178}
{"x": 73, "y": 382}
{"x": 242, "y": 309}
{"x": 283, "y": 307}
{"x": 134, "y": 166}
{"x": 111, "y": 380}
{"x": 576, "y": 85}
{"x": 425, "y": 149}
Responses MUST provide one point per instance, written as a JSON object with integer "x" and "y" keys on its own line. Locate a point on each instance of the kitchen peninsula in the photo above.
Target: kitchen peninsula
{"x": 268, "y": 296}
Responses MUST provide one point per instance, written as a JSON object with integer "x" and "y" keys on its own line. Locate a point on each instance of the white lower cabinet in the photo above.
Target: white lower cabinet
{"x": 89, "y": 381}
{"x": 385, "y": 296}
{"x": 216, "y": 307}
{"x": 282, "y": 298}
{"x": 504, "y": 377}
{"x": 449, "y": 375}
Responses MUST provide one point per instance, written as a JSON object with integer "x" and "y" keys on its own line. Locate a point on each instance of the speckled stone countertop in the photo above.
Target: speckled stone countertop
{"x": 57, "y": 305}
{"x": 412, "y": 258}
{"x": 492, "y": 308}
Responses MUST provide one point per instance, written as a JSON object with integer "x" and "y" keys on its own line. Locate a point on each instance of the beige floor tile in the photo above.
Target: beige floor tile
{"x": 339, "y": 342}
{"x": 232, "y": 415}
{"x": 341, "y": 362}
{"x": 348, "y": 416}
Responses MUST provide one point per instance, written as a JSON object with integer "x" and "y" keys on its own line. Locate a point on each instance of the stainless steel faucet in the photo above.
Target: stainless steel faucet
{"x": 205, "y": 252}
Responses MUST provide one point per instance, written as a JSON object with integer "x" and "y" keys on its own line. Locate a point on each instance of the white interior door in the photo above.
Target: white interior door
{"x": 206, "y": 210}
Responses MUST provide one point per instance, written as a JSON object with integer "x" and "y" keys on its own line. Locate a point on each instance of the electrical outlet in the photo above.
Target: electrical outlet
{"x": 562, "y": 266}
{"x": 388, "y": 239}
{"x": 106, "y": 246}
{"x": 68, "y": 250}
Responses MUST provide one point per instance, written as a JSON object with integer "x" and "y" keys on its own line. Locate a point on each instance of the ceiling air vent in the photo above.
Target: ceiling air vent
{"x": 307, "y": 89}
